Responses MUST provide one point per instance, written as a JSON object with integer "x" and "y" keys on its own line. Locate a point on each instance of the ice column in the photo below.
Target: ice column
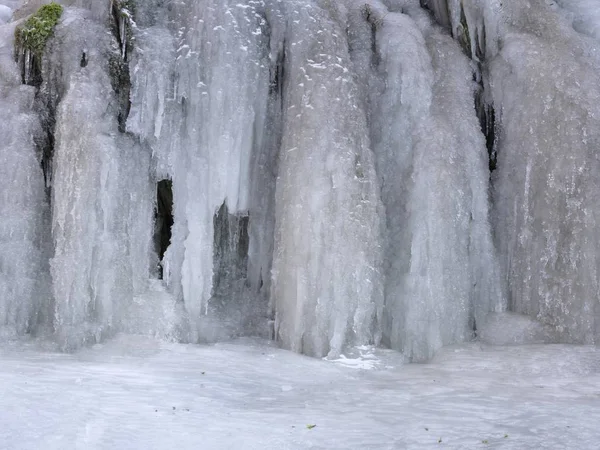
{"x": 200, "y": 119}
{"x": 101, "y": 196}
{"x": 326, "y": 278}
{"x": 441, "y": 271}
{"x": 23, "y": 207}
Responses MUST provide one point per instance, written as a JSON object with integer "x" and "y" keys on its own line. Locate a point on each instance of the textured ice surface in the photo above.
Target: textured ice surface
{"x": 137, "y": 393}
{"x": 206, "y": 125}
{"x": 545, "y": 191}
{"x": 326, "y": 282}
{"x": 24, "y": 297}
{"x": 25, "y": 300}
{"x": 584, "y": 14}
{"x": 442, "y": 276}
{"x": 540, "y": 71}
{"x": 5, "y": 14}
{"x": 330, "y": 179}
{"x": 515, "y": 329}
{"x": 101, "y": 204}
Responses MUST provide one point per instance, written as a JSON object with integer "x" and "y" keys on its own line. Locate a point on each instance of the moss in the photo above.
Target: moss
{"x": 464, "y": 37}
{"x": 124, "y": 9}
{"x": 128, "y": 5}
{"x": 36, "y": 30}
{"x": 122, "y": 26}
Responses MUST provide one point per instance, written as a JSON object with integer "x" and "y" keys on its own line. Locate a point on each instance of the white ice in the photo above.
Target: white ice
{"x": 441, "y": 271}
{"x": 327, "y": 286}
{"x": 101, "y": 201}
{"x": 24, "y": 296}
{"x": 341, "y": 138}
{"x": 545, "y": 189}
{"x": 539, "y": 66}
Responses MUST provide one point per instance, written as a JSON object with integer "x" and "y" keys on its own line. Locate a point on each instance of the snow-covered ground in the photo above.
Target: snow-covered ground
{"x": 134, "y": 392}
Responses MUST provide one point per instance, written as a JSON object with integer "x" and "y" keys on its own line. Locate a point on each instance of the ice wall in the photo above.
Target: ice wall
{"x": 546, "y": 190}
{"x": 216, "y": 129}
{"x": 330, "y": 177}
{"x": 541, "y": 76}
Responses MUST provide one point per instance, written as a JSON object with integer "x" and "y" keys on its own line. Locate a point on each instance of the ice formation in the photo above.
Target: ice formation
{"x": 24, "y": 296}
{"x": 326, "y": 173}
{"x": 426, "y": 137}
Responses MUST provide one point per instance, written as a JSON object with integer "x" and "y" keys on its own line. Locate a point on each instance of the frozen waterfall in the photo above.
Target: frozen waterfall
{"x": 326, "y": 173}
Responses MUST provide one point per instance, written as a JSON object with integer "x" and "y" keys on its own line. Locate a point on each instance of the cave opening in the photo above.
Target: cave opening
{"x": 163, "y": 220}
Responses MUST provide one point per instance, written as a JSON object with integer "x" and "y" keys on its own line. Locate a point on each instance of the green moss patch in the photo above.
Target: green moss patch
{"x": 36, "y": 30}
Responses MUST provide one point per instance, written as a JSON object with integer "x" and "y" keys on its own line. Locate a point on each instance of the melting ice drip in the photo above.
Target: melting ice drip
{"x": 326, "y": 166}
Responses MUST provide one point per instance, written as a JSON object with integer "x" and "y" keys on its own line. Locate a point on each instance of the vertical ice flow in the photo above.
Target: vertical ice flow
{"x": 329, "y": 174}
{"x": 23, "y": 211}
{"x": 101, "y": 194}
{"x": 441, "y": 271}
{"x": 326, "y": 278}
{"x": 541, "y": 76}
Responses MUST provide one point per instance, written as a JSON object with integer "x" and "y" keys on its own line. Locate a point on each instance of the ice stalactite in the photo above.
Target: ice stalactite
{"x": 268, "y": 134}
{"x": 207, "y": 127}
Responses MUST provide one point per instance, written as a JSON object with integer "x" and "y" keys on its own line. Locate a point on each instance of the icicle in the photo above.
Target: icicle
{"x": 123, "y": 18}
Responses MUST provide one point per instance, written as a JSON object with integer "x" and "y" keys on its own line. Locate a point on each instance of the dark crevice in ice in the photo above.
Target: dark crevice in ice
{"x": 83, "y": 62}
{"x": 163, "y": 220}
{"x": 487, "y": 121}
{"x": 374, "y": 24}
{"x": 230, "y": 249}
{"x": 119, "y": 63}
{"x": 278, "y": 74}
